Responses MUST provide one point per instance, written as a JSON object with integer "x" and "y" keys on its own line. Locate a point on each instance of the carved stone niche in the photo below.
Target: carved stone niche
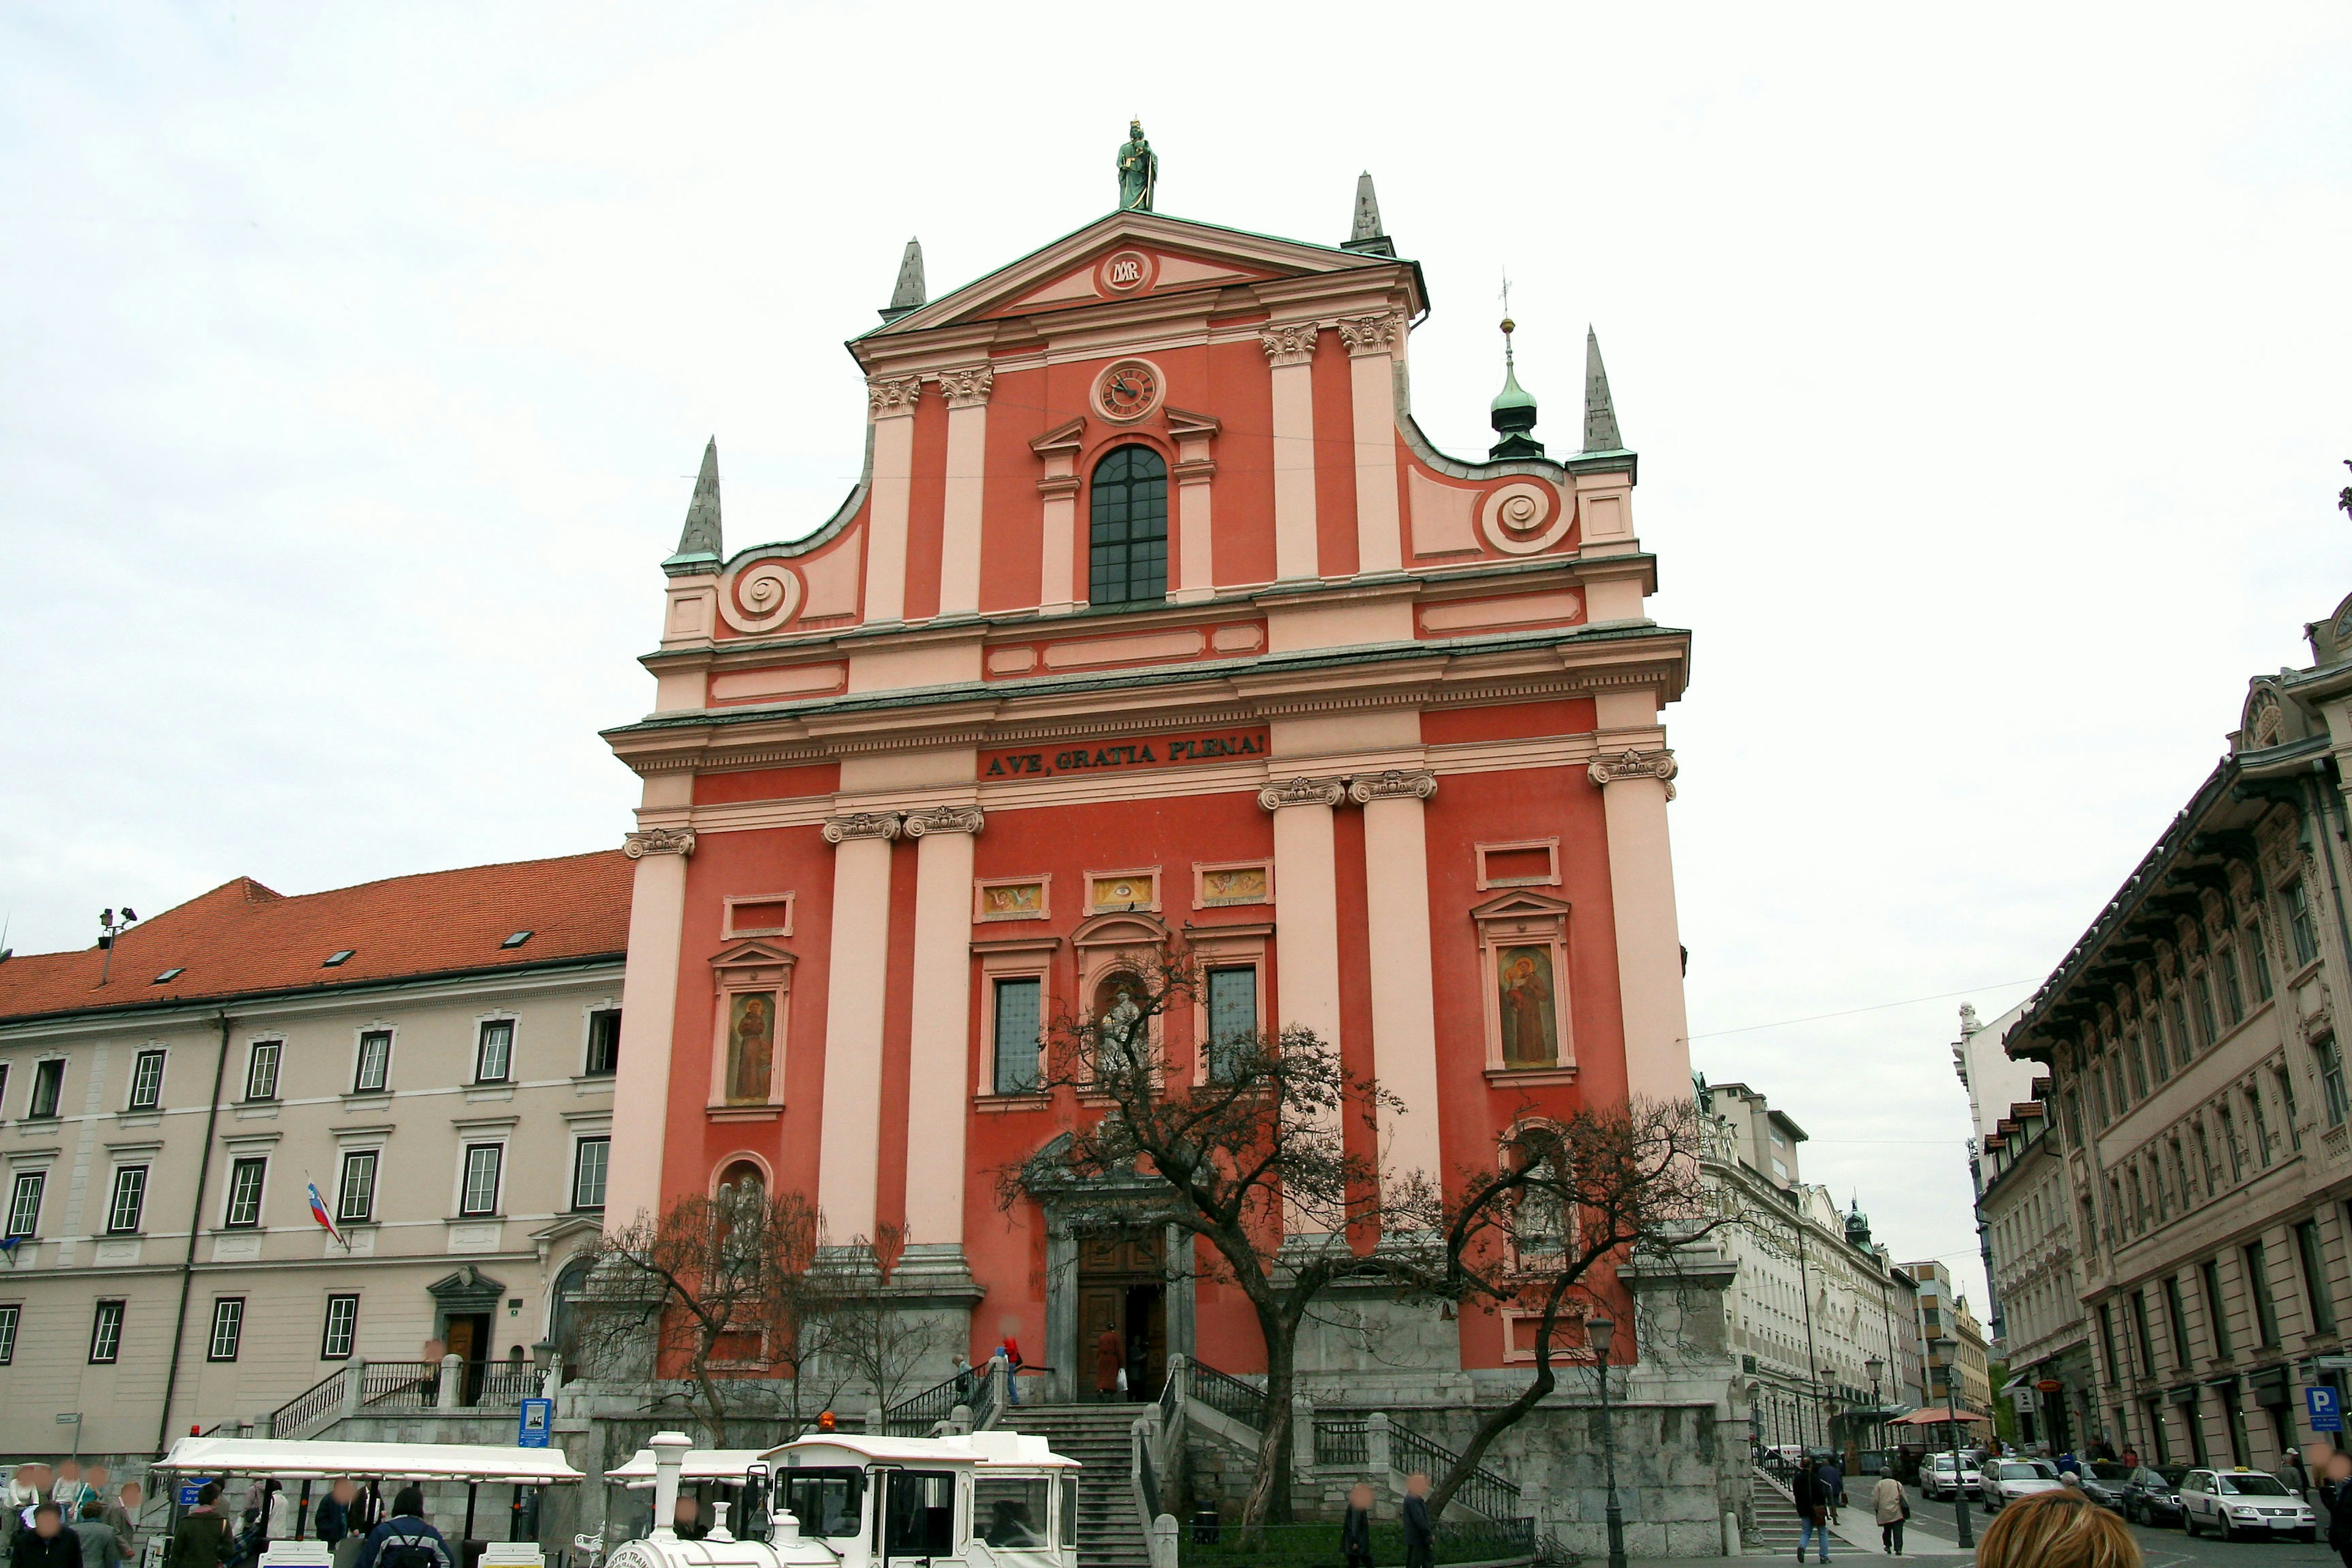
{"x": 1523, "y": 973}
{"x": 750, "y": 1029}
{"x": 1111, "y": 945}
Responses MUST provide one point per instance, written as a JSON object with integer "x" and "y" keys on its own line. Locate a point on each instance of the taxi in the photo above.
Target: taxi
{"x": 2242, "y": 1501}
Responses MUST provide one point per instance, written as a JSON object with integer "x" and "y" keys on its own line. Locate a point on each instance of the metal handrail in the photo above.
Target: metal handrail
{"x": 290, "y": 1419}
{"x": 1344, "y": 1441}
{"x": 1227, "y": 1395}
{"x": 918, "y": 1414}
{"x": 400, "y": 1386}
{"x": 1484, "y": 1492}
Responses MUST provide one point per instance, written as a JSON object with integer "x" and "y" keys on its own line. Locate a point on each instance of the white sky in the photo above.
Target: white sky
{"x": 1988, "y": 372}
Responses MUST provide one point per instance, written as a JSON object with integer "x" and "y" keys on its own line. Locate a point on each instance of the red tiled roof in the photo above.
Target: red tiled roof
{"x": 241, "y": 937}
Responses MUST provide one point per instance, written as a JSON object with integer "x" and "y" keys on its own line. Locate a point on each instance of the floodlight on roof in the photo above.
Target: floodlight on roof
{"x": 337, "y": 959}
{"x": 517, "y": 940}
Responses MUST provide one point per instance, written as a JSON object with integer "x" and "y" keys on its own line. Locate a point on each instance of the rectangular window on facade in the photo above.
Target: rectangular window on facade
{"x": 261, "y": 1071}
{"x": 2331, "y": 1080}
{"x": 2107, "y": 1340}
{"x": 2256, "y": 1114}
{"x": 2203, "y": 991}
{"x": 2139, "y": 1326}
{"x": 342, "y": 1328}
{"x": 2301, "y": 928}
{"x": 2188, "y": 1042}
{"x": 604, "y": 1042}
{"x": 2315, "y": 1292}
{"x": 2285, "y": 1080}
{"x": 25, "y": 1204}
{"x": 2152, "y": 1022}
{"x": 48, "y": 1088}
{"x": 375, "y": 1072}
{"x": 147, "y": 1081}
{"x": 494, "y": 1054}
{"x": 2178, "y": 1322}
{"x": 480, "y": 1194}
{"x": 2233, "y": 994}
{"x": 105, "y": 1333}
{"x": 2258, "y": 1287}
{"x": 1020, "y": 1002}
{"x": 2259, "y": 956}
{"x": 244, "y": 1182}
{"x": 2099, "y": 1117}
{"x": 228, "y": 1328}
{"x": 2136, "y": 1062}
{"x": 8, "y": 1316}
{"x": 2217, "y": 1320}
{"x": 2205, "y": 1158}
{"x": 130, "y": 1197}
{"x": 355, "y": 1192}
{"x": 589, "y": 1163}
{"x": 2230, "y": 1139}
{"x": 1233, "y": 1017}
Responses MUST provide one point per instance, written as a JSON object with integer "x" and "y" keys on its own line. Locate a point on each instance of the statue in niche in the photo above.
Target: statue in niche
{"x": 1138, "y": 171}
{"x": 750, "y": 1047}
{"x": 1530, "y": 1019}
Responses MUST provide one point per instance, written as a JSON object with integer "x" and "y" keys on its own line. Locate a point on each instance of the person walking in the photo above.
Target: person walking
{"x": 122, "y": 1517}
{"x": 332, "y": 1521}
{"x": 1111, "y": 1358}
{"x": 49, "y": 1544}
{"x": 1892, "y": 1509}
{"x": 2293, "y": 1477}
{"x": 100, "y": 1547}
{"x": 1832, "y": 1481}
{"x": 1813, "y": 1514}
{"x": 1356, "y": 1527}
{"x": 2335, "y": 1493}
{"x": 200, "y": 1539}
{"x": 1420, "y": 1534}
{"x": 404, "y": 1540}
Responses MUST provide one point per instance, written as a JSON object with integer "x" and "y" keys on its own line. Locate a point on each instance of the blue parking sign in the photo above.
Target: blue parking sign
{"x": 537, "y": 1417}
{"x": 2327, "y": 1407}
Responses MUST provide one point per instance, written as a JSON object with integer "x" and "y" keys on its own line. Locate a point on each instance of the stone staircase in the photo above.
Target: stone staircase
{"x": 1096, "y": 1436}
{"x": 1775, "y": 1531}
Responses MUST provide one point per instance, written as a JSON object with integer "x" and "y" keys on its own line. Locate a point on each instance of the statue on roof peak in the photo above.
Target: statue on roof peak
{"x": 1139, "y": 170}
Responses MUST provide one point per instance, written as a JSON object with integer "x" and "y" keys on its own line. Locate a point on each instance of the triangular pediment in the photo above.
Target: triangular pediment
{"x": 1126, "y": 254}
{"x": 1520, "y": 905}
{"x": 751, "y": 953}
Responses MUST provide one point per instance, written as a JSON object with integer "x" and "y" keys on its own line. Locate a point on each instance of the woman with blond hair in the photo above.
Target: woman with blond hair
{"x": 2061, "y": 1529}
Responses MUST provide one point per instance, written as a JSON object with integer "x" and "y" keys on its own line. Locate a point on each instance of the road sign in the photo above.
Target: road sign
{"x": 189, "y": 1487}
{"x": 2325, "y": 1405}
{"x": 531, "y": 1428}
{"x": 69, "y": 1417}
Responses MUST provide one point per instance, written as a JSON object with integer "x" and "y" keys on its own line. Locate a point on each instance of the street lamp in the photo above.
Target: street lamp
{"x": 1602, "y": 1333}
{"x": 1877, "y": 1404}
{"x": 1945, "y": 1349}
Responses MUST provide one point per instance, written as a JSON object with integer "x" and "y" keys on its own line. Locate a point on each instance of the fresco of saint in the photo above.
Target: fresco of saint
{"x": 750, "y": 1047}
{"x": 1531, "y": 1021}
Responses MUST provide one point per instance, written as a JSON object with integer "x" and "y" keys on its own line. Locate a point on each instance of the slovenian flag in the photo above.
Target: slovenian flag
{"x": 318, "y": 1213}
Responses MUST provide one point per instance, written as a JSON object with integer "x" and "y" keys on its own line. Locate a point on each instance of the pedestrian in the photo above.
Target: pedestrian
{"x": 2336, "y": 1491}
{"x": 2131, "y": 1457}
{"x": 1892, "y": 1508}
{"x": 2292, "y": 1476}
{"x": 71, "y": 1490}
{"x": 122, "y": 1517}
{"x": 48, "y": 1544}
{"x": 1111, "y": 1359}
{"x": 2068, "y": 1465}
{"x": 1832, "y": 1481}
{"x": 2057, "y": 1530}
{"x": 406, "y": 1540}
{"x": 333, "y": 1520}
{"x": 1812, "y": 1513}
{"x": 1420, "y": 1535}
{"x": 100, "y": 1547}
{"x": 1356, "y": 1527}
{"x": 201, "y": 1538}
{"x": 22, "y": 1490}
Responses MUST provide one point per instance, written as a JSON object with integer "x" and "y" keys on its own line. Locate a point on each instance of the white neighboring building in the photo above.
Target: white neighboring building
{"x": 1993, "y": 1082}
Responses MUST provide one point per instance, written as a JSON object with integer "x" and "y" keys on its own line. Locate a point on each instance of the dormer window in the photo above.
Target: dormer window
{"x": 339, "y": 957}
{"x": 517, "y": 940}
{"x": 1128, "y": 516}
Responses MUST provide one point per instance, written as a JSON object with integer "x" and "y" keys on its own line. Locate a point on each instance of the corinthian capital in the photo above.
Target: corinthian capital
{"x": 969, "y": 387}
{"x": 1371, "y": 334}
{"x": 886, "y": 396}
{"x": 1632, "y": 764}
{"x": 861, "y": 824}
{"x": 1302, "y": 792}
{"x": 1293, "y": 343}
{"x": 679, "y": 841}
{"x": 1397, "y": 783}
{"x": 945, "y": 819}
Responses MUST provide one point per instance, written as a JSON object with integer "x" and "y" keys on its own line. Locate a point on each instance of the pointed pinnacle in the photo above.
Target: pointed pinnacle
{"x": 908, "y": 295}
{"x": 698, "y": 542}
{"x": 1601, "y": 433}
{"x": 1366, "y": 236}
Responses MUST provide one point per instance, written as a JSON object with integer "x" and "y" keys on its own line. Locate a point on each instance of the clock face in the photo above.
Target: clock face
{"x": 1129, "y": 390}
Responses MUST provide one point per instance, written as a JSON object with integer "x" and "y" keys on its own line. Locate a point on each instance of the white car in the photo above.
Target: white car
{"x": 1935, "y": 1476}
{"x": 2252, "y": 1501}
{"x": 2006, "y": 1480}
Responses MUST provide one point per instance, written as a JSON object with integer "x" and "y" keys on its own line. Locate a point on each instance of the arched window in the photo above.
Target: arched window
{"x": 1128, "y": 529}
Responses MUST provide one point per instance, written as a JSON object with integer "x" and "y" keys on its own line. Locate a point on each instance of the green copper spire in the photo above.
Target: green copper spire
{"x": 1513, "y": 412}
{"x": 699, "y": 548}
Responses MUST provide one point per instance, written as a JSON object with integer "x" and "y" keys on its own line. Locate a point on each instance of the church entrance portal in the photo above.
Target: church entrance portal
{"x": 1122, "y": 1291}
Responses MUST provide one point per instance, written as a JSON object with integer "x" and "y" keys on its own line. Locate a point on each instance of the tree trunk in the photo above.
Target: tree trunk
{"x": 1269, "y": 1497}
{"x": 1496, "y": 1422}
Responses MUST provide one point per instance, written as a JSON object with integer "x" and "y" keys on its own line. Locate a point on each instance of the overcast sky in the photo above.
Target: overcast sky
{"x": 1989, "y": 371}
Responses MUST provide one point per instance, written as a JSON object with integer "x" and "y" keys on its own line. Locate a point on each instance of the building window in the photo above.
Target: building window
{"x": 2154, "y": 1022}
{"x": 1019, "y": 1018}
{"x": 604, "y": 1042}
{"x": 25, "y": 1204}
{"x": 2331, "y": 1079}
{"x": 481, "y": 1188}
{"x": 261, "y": 1071}
{"x": 2189, "y": 1043}
{"x": 244, "y": 1182}
{"x": 342, "y": 1328}
{"x": 228, "y": 1328}
{"x": 493, "y": 1052}
{"x": 2136, "y": 1062}
{"x": 2315, "y": 1277}
{"x": 588, "y": 1164}
{"x": 2258, "y": 1287}
{"x": 105, "y": 1333}
{"x": 49, "y": 1088}
{"x": 2107, "y": 1340}
{"x": 2180, "y": 1178}
{"x": 129, "y": 1198}
{"x": 2286, "y": 1098}
{"x": 2209, "y": 1278}
{"x": 2098, "y": 1096}
{"x": 2233, "y": 994}
{"x": 2178, "y": 1322}
{"x": 2139, "y": 1326}
{"x": 2262, "y": 1122}
{"x": 2204, "y": 990}
{"x": 2229, "y": 1138}
{"x": 1128, "y": 529}
{"x": 1233, "y": 1017}
{"x": 2259, "y": 955}
{"x": 147, "y": 1081}
{"x": 355, "y": 1194}
{"x": 375, "y": 1072}
{"x": 8, "y": 1316}
{"x": 2302, "y": 929}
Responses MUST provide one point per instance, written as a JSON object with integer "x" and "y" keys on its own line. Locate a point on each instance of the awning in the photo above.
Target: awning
{"x": 287, "y": 1460}
{"x": 1939, "y": 1416}
{"x": 701, "y": 1465}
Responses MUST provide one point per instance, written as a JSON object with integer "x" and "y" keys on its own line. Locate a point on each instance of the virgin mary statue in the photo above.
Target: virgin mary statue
{"x": 1139, "y": 170}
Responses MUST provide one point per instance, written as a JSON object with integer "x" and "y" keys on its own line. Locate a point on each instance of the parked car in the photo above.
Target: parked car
{"x": 2251, "y": 1501}
{"x": 2152, "y": 1495}
{"x": 2103, "y": 1481}
{"x": 2004, "y": 1481}
{"x": 1936, "y": 1477}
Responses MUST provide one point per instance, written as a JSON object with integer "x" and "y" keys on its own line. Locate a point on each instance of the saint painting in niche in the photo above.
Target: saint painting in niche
{"x": 1530, "y": 1016}
{"x": 750, "y": 1046}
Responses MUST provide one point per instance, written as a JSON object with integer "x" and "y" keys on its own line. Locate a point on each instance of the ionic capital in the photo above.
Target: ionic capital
{"x": 888, "y": 398}
{"x": 677, "y": 841}
{"x": 1633, "y": 764}
{"x": 1302, "y": 792}
{"x": 945, "y": 819}
{"x": 861, "y": 824}
{"x": 1293, "y": 343}
{"x": 1371, "y": 334}
{"x": 968, "y": 386}
{"x": 1397, "y": 783}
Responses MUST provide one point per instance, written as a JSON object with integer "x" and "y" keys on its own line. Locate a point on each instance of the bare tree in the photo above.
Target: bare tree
{"x": 854, "y": 1331}
{"x": 1250, "y": 1156}
{"x": 1552, "y": 1226}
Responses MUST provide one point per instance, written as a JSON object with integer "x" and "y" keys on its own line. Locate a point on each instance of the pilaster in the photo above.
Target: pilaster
{"x": 1635, "y": 789}
{"x": 1372, "y": 388}
{"x": 1194, "y": 435}
{"x": 1057, "y": 495}
{"x": 1404, "y": 985}
{"x": 633, "y": 1182}
{"x": 857, "y": 981}
{"x": 891, "y": 403}
{"x": 939, "y": 1053}
{"x": 1305, "y": 869}
{"x": 967, "y": 390}
{"x": 1290, "y": 352}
